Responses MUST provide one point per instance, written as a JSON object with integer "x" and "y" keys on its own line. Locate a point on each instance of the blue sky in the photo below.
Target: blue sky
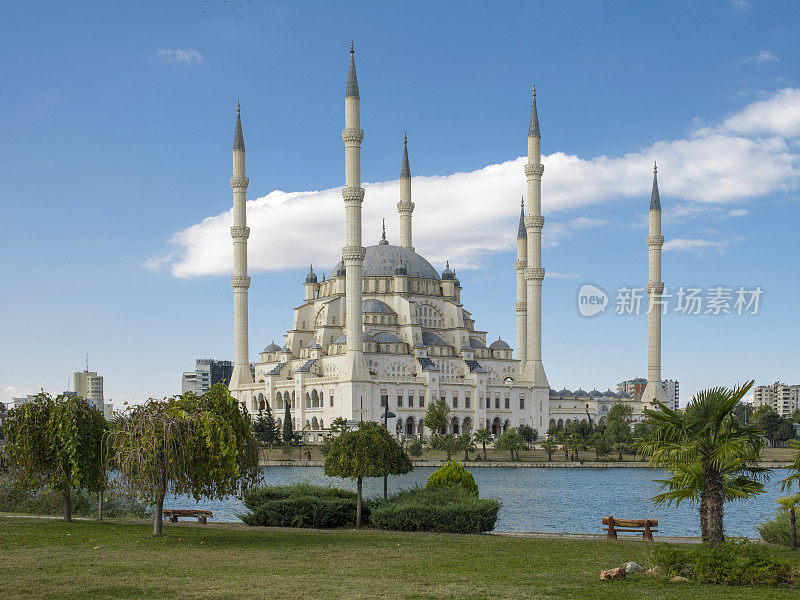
{"x": 117, "y": 123}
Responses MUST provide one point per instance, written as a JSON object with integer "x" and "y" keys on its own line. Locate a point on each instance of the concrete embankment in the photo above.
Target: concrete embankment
{"x": 514, "y": 464}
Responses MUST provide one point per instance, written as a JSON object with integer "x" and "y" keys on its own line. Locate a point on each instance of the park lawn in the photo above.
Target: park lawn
{"x": 85, "y": 559}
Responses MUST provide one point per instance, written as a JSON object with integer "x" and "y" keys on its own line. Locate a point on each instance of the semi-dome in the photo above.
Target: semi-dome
{"x": 273, "y": 347}
{"x": 381, "y": 260}
{"x": 311, "y": 277}
{"x": 431, "y": 339}
{"x": 376, "y": 306}
{"x": 499, "y": 345}
{"x": 384, "y": 337}
{"x": 476, "y": 343}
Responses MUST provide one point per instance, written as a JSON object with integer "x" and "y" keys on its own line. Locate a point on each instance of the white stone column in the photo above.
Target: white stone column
{"x": 240, "y": 281}
{"x": 405, "y": 207}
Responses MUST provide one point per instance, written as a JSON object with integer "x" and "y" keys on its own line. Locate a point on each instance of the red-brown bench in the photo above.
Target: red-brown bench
{"x": 174, "y": 513}
{"x": 645, "y": 526}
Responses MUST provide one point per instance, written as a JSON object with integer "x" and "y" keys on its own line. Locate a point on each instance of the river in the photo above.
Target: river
{"x": 544, "y": 499}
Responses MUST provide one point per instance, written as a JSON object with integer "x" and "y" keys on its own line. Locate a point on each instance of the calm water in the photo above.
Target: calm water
{"x": 550, "y": 499}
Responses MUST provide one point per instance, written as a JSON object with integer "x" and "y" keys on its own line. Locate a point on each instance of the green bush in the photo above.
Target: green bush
{"x": 15, "y": 498}
{"x": 776, "y": 530}
{"x": 447, "y": 509}
{"x": 301, "y": 505}
{"x": 731, "y": 563}
{"x": 453, "y": 474}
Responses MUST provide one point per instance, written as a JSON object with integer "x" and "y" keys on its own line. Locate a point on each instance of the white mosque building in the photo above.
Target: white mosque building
{"x": 387, "y": 327}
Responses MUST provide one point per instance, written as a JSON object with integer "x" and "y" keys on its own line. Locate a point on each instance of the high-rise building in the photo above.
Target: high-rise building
{"x": 89, "y": 386}
{"x": 208, "y": 371}
{"x": 635, "y": 387}
{"x": 672, "y": 391}
{"x": 782, "y": 398}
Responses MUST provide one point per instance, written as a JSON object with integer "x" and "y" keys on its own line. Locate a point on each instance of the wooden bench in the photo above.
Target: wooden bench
{"x": 174, "y": 513}
{"x": 645, "y": 526}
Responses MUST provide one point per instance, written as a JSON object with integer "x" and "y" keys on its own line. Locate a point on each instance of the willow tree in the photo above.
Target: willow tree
{"x": 57, "y": 442}
{"x": 202, "y": 446}
{"x": 367, "y": 451}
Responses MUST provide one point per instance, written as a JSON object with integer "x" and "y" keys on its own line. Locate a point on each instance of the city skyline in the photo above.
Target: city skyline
{"x": 159, "y": 251}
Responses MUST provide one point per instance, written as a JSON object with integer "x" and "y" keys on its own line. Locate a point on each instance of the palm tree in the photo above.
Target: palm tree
{"x": 563, "y": 439}
{"x": 549, "y": 446}
{"x": 791, "y": 503}
{"x": 710, "y": 455}
{"x": 467, "y": 443}
{"x": 481, "y": 436}
{"x": 794, "y": 468}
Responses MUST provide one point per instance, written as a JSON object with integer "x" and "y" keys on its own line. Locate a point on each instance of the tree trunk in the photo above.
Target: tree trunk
{"x": 703, "y": 510}
{"x": 793, "y": 521}
{"x": 566, "y": 452}
{"x": 358, "y": 503}
{"x": 67, "y": 503}
{"x": 159, "y": 512}
{"x": 100, "y": 506}
{"x": 716, "y": 535}
{"x": 484, "y": 451}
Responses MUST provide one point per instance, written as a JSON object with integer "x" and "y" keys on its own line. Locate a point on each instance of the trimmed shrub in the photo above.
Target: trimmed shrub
{"x": 777, "y": 530}
{"x": 453, "y": 474}
{"x": 731, "y": 563}
{"x": 448, "y": 509}
{"x": 301, "y": 505}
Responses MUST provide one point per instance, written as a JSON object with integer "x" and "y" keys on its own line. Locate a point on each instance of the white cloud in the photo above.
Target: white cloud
{"x": 557, "y": 275}
{"x": 184, "y": 56}
{"x": 749, "y": 155}
{"x": 7, "y": 392}
{"x": 741, "y": 5}
{"x": 761, "y": 57}
{"x": 737, "y": 212}
{"x": 694, "y": 245}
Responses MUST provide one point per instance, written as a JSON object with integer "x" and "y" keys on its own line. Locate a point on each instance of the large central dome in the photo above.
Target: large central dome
{"x": 381, "y": 260}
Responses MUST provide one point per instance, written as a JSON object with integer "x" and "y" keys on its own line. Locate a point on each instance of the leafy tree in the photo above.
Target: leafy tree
{"x": 339, "y": 426}
{"x": 190, "y": 444}
{"x": 260, "y": 431}
{"x": 367, "y": 451}
{"x": 453, "y": 474}
{"x": 467, "y": 443}
{"x": 794, "y": 469}
{"x": 760, "y": 411}
{"x": 510, "y": 441}
{"x": 706, "y": 450}
{"x": 600, "y": 443}
{"x": 448, "y": 442}
{"x": 796, "y": 415}
{"x": 550, "y": 446}
{"x": 415, "y": 447}
{"x": 620, "y": 412}
{"x": 271, "y": 427}
{"x": 437, "y": 416}
{"x": 640, "y": 431}
{"x": 562, "y": 437}
{"x": 791, "y": 504}
{"x": 529, "y": 434}
{"x": 57, "y": 442}
{"x": 287, "y": 435}
{"x": 743, "y": 412}
{"x": 483, "y": 435}
{"x": 619, "y": 435}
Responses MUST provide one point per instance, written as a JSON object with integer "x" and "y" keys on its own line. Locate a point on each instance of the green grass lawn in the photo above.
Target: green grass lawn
{"x": 52, "y": 559}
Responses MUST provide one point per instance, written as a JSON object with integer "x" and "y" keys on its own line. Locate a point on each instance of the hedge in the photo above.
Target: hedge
{"x": 301, "y": 505}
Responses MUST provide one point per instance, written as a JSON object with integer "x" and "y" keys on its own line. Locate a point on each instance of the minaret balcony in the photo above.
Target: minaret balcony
{"x": 239, "y": 182}
{"x": 352, "y": 136}
{"x": 534, "y": 273}
{"x": 534, "y": 222}
{"x": 534, "y": 170}
{"x": 240, "y": 232}
{"x": 655, "y": 241}
{"x": 353, "y": 195}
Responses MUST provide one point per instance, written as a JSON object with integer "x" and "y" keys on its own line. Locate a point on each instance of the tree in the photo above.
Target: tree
{"x": 57, "y": 442}
{"x": 550, "y": 446}
{"x": 600, "y": 443}
{"x": 436, "y": 416}
{"x": 703, "y": 448}
{"x": 271, "y": 427}
{"x": 794, "y": 469}
{"x": 760, "y": 411}
{"x": 620, "y": 412}
{"x": 619, "y": 435}
{"x": 287, "y": 435}
{"x": 743, "y": 412}
{"x": 483, "y": 435}
{"x": 260, "y": 431}
{"x": 367, "y": 451}
{"x": 510, "y": 441}
{"x": 197, "y": 445}
{"x": 562, "y": 437}
{"x": 415, "y": 447}
{"x": 448, "y": 442}
{"x": 339, "y": 426}
{"x": 467, "y": 444}
{"x": 791, "y": 504}
{"x": 640, "y": 431}
{"x": 796, "y": 415}
{"x": 529, "y": 434}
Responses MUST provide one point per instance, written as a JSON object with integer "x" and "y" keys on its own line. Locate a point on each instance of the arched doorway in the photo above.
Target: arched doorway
{"x": 454, "y": 425}
{"x": 467, "y": 425}
{"x": 410, "y": 426}
{"x": 496, "y": 427}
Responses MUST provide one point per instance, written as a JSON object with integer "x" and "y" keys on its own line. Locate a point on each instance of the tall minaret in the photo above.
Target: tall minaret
{"x": 405, "y": 207}
{"x": 240, "y": 281}
{"x": 654, "y": 391}
{"x": 521, "y": 305}
{"x": 534, "y": 273}
{"x": 353, "y": 253}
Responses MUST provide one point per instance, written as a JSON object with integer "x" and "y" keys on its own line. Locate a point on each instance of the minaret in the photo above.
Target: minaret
{"x": 353, "y": 253}
{"x": 534, "y": 273}
{"x": 654, "y": 391}
{"x": 405, "y": 207}
{"x": 521, "y": 305}
{"x": 240, "y": 281}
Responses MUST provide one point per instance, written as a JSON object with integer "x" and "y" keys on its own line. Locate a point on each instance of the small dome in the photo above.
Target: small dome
{"x": 455, "y": 278}
{"x": 581, "y": 394}
{"x": 476, "y": 343}
{"x": 339, "y": 270}
{"x": 342, "y": 339}
{"x": 431, "y": 339}
{"x": 595, "y": 394}
{"x": 609, "y": 394}
{"x": 273, "y": 347}
{"x": 553, "y": 393}
{"x": 285, "y": 350}
{"x": 385, "y": 337}
{"x": 499, "y": 345}
{"x": 311, "y": 277}
{"x": 624, "y": 395}
{"x": 564, "y": 392}
{"x": 376, "y": 306}
{"x": 447, "y": 273}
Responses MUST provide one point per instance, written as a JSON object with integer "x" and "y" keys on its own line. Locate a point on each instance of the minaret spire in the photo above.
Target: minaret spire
{"x": 240, "y": 281}
{"x": 654, "y": 391}
{"x": 353, "y": 253}
{"x": 405, "y": 207}
{"x": 383, "y": 241}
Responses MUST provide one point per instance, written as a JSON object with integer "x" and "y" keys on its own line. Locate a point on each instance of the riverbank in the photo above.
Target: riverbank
{"x": 50, "y": 559}
{"x": 508, "y": 463}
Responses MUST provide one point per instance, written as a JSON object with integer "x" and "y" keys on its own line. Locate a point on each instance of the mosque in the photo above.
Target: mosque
{"x": 386, "y": 327}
